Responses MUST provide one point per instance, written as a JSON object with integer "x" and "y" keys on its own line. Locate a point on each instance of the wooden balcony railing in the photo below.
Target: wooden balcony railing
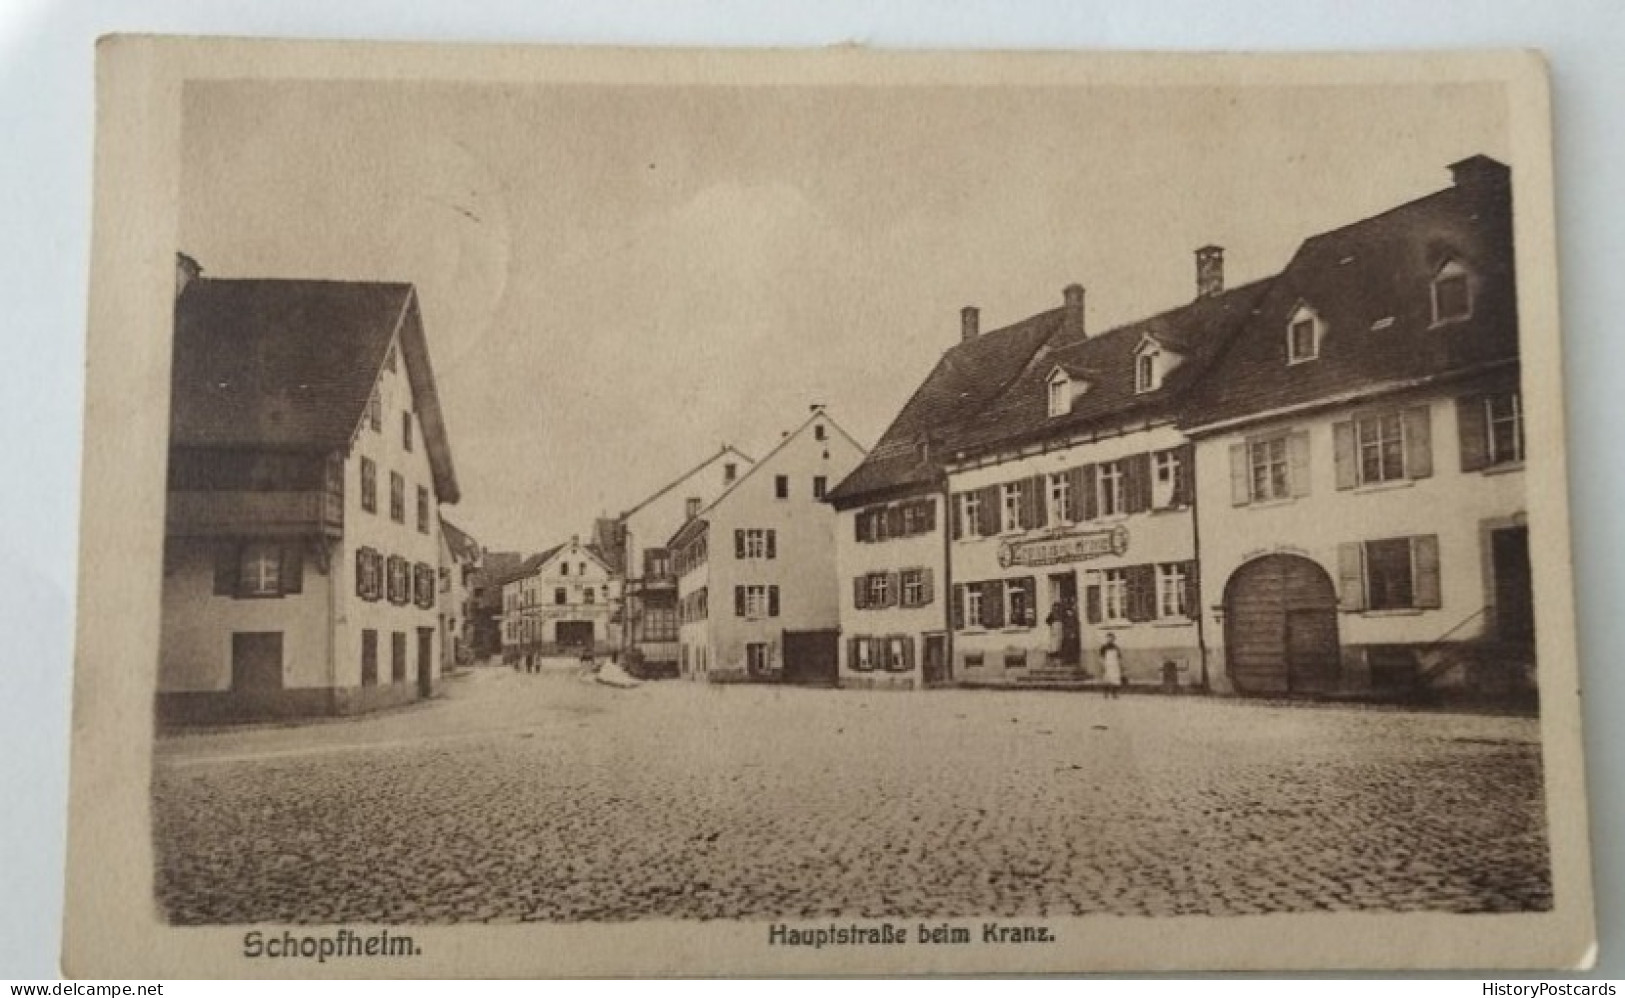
{"x": 255, "y": 514}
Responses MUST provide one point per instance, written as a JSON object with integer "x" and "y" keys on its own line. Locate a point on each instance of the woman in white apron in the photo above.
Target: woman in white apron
{"x": 1111, "y": 663}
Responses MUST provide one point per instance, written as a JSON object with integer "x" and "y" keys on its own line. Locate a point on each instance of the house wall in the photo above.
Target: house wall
{"x": 377, "y": 530}
{"x": 855, "y": 560}
{"x": 694, "y": 634}
{"x": 1459, "y": 508}
{"x": 532, "y": 625}
{"x": 1157, "y": 536}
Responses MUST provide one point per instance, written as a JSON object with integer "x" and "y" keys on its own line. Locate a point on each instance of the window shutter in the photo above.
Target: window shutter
{"x": 772, "y": 601}
{"x": 293, "y": 568}
{"x": 1091, "y": 599}
{"x": 1348, "y": 468}
{"x": 772, "y": 543}
{"x": 1418, "y": 442}
{"x": 1351, "y": 576}
{"x": 1240, "y": 487}
{"x": 957, "y": 514}
{"x": 991, "y": 511}
{"x": 860, "y": 592}
{"x": 1193, "y": 590}
{"x": 1297, "y": 456}
{"x": 361, "y": 562}
{"x": 894, "y": 521}
{"x": 857, "y": 527}
{"x": 1030, "y": 583}
{"x": 1090, "y": 503}
{"x": 739, "y": 544}
{"x": 226, "y": 558}
{"x": 957, "y": 609}
{"x": 1037, "y": 486}
{"x": 927, "y": 587}
{"x": 1425, "y": 563}
{"x": 1142, "y": 592}
{"x": 852, "y": 654}
{"x": 1185, "y": 454}
{"x": 1076, "y": 487}
{"x": 1473, "y": 424}
{"x": 739, "y": 601}
{"x": 908, "y": 653}
{"x": 928, "y": 509}
{"x": 1137, "y": 483}
{"x": 993, "y": 604}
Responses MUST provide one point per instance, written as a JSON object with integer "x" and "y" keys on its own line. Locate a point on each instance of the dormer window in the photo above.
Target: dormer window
{"x": 1452, "y": 293}
{"x": 1152, "y": 362}
{"x": 1145, "y": 372}
{"x": 1303, "y": 335}
{"x": 1062, "y": 390}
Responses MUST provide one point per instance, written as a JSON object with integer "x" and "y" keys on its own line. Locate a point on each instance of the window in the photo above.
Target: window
{"x": 916, "y": 584}
{"x": 1173, "y": 589}
{"x": 659, "y": 624}
{"x": 973, "y": 606}
{"x": 691, "y": 507}
{"x": 1010, "y": 493}
{"x": 561, "y": 596}
{"x": 880, "y": 593}
{"x": 862, "y": 655}
{"x": 1018, "y": 605}
{"x": 1060, "y": 394}
{"x": 399, "y": 580}
{"x": 730, "y": 471}
{"x": 1384, "y": 447}
{"x": 375, "y": 412}
{"x": 588, "y": 596}
{"x": 970, "y": 513}
{"x": 755, "y": 543}
{"x": 1303, "y": 336}
{"x": 1110, "y": 477}
{"x": 899, "y": 653}
{"x": 975, "y": 659}
{"x": 1452, "y": 294}
{"x": 1381, "y": 443}
{"x": 819, "y": 432}
{"x": 423, "y": 510}
{"x": 406, "y": 431}
{"x": 1268, "y": 459}
{"x": 1395, "y": 573}
{"x": 1145, "y": 371}
{"x": 756, "y": 602}
{"x": 369, "y": 658}
{"x": 423, "y": 590}
{"x": 1114, "y": 595}
{"x": 564, "y": 568}
{"x": 261, "y": 571}
{"x": 369, "y": 485}
{"x": 781, "y": 486}
{"x": 397, "y": 497}
{"x": 1165, "y": 476}
{"x": 1060, "y": 499}
{"x": 820, "y": 486}
{"x": 1504, "y": 416}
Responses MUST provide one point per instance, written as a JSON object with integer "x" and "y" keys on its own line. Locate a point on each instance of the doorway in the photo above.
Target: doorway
{"x": 425, "y": 661}
{"x": 1063, "y": 612}
{"x": 256, "y": 660}
{"x": 936, "y": 659}
{"x": 574, "y": 633}
{"x": 1514, "y": 591}
{"x": 1280, "y": 627}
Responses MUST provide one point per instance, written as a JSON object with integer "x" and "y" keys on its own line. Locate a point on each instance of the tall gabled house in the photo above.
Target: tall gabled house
{"x": 1361, "y": 453}
{"x": 308, "y": 459}
{"x": 756, "y": 587}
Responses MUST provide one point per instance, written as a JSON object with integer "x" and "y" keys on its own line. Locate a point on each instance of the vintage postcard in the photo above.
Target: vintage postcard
{"x": 572, "y": 512}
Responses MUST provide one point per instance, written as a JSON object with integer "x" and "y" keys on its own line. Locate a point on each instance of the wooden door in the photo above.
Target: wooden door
{"x": 256, "y": 660}
{"x": 1281, "y": 627}
{"x": 425, "y": 661}
{"x": 811, "y": 658}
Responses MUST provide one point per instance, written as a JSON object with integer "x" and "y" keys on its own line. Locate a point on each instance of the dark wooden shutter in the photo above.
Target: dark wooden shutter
{"x": 894, "y": 521}
{"x": 227, "y": 557}
{"x": 1241, "y": 490}
{"x": 772, "y": 601}
{"x": 1089, "y": 502}
{"x": 1137, "y": 483}
{"x": 739, "y": 601}
{"x": 1425, "y": 562}
{"x": 1142, "y": 592}
{"x": 894, "y": 588}
{"x": 857, "y": 527}
{"x": 1343, "y": 451}
{"x": 927, "y": 587}
{"x": 957, "y": 514}
{"x": 1193, "y": 589}
{"x": 860, "y": 592}
{"x": 1038, "y": 487}
{"x": 1091, "y": 601}
{"x": 928, "y": 510}
{"x": 772, "y": 543}
{"x": 292, "y": 569}
{"x": 990, "y": 516}
{"x": 993, "y": 604}
{"x": 1184, "y": 475}
{"x": 1473, "y": 422}
{"x": 1418, "y": 442}
{"x": 957, "y": 610}
{"x": 1075, "y": 487}
{"x": 739, "y": 544}
{"x": 1297, "y": 462}
{"x": 1351, "y": 576}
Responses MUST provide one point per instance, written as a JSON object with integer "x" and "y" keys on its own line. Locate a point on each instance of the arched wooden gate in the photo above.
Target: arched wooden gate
{"x": 1280, "y": 627}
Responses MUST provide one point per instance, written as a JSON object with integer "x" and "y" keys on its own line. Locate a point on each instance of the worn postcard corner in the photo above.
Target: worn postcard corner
{"x": 568, "y": 512}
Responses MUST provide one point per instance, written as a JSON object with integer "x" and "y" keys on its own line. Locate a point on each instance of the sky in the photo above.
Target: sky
{"x": 617, "y": 280}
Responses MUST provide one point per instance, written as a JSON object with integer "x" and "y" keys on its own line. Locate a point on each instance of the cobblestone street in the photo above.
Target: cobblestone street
{"x": 520, "y": 797}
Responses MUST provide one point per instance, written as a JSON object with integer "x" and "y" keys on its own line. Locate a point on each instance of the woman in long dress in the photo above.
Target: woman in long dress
{"x": 1057, "y": 632}
{"x": 1111, "y": 663}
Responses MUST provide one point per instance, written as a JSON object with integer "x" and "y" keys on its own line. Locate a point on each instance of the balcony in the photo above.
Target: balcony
{"x": 255, "y": 514}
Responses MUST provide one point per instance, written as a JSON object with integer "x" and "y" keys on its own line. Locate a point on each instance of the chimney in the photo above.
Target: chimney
{"x": 1209, "y": 271}
{"x": 1073, "y": 294}
{"x": 970, "y": 323}
{"x": 1480, "y": 175}
{"x": 186, "y": 271}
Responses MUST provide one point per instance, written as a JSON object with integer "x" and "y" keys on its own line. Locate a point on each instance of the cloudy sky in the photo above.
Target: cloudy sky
{"x": 617, "y": 280}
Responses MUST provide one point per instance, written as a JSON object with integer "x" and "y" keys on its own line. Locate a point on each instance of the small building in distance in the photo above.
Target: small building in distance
{"x": 563, "y": 601}
{"x": 460, "y": 558}
{"x": 308, "y": 459}
{"x": 756, "y": 586}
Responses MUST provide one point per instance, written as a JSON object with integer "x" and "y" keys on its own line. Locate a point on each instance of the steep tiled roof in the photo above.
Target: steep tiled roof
{"x": 1196, "y": 331}
{"x": 944, "y": 408}
{"x": 291, "y": 364}
{"x": 1371, "y": 285}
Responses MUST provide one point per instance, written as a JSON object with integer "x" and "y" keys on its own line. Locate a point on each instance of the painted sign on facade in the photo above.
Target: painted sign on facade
{"x": 1064, "y": 547}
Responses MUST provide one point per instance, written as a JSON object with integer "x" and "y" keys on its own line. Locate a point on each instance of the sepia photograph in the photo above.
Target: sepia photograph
{"x": 831, "y": 511}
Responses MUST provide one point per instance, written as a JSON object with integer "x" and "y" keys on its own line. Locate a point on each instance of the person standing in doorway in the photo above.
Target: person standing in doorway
{"x": 1057, "y": 632}
{"x": 1111, "y": 663}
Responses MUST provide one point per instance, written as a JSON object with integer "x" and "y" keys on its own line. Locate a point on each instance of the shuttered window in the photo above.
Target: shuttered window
{"x": 1396, "y": 573}
{"x": 1491, "y": 430}
{"x": 1269, "y": 469}
{"x": 1384, "y": 447}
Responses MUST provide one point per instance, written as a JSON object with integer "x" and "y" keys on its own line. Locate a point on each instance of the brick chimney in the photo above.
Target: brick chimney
{"x": 970, "y": 323}
{"x": 1072, "y": 294}
{"x": 187, "y": 270}
{"x": 1480, "y": 175}
{"x": 1209, "y": 271}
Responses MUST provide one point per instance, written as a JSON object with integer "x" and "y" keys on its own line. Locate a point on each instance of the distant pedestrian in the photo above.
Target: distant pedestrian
{"x": 1111, "y": 662}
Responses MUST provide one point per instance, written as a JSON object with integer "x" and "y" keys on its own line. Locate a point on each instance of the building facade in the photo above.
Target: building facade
{"x": 564, "y": 601}
{"x": 460, "y": 558}
{"x": 651, "y": 626}
{"x": 1360, "y": 456}
{"x": 308, "y": 462}
{"x": 756, "y": 584}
